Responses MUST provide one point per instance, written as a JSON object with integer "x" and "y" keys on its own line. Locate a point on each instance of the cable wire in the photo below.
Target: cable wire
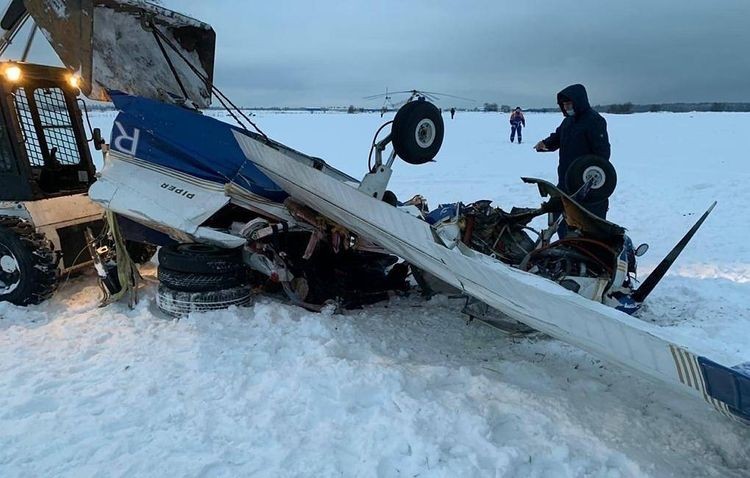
{"x": 223, "y": 99}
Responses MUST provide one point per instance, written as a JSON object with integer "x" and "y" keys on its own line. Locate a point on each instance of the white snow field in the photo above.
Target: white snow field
{"x": 405, "y": 388}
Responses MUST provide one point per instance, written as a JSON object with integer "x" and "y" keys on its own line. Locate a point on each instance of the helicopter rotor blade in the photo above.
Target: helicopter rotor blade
{"x": 430, "y": 95}
{"x": 449, "y": 96}
{"x": 404, "y": 92}
{"x": 388, "y": 93}
{"x": 372, "y": 97}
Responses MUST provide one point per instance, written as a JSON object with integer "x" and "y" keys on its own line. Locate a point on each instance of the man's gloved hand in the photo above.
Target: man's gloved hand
{"x": 540, "y": 146}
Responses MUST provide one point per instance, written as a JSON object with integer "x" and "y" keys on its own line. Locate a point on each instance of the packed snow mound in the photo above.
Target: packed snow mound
{"x": 399, "y": 390}
{"x": 404, "y": 388}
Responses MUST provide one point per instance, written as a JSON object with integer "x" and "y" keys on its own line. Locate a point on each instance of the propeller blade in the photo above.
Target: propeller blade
{"x": 648, "y": 285}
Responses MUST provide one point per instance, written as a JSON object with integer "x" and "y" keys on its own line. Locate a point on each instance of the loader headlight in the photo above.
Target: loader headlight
{"x": 13, "y": 73}
{"x": 74, "y": 81}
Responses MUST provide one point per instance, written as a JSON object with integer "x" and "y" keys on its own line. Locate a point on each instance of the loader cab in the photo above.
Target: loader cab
{"x": 43, "y": 148}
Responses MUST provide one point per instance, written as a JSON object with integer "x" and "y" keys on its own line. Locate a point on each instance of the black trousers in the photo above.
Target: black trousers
{"x": 513, "y": 129}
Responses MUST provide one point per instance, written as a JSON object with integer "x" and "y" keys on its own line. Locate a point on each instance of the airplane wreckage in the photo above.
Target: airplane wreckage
{"x": 234, "y": 212}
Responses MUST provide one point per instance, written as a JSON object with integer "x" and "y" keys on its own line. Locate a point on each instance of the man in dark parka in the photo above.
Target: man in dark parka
{"x": 582, "y": 132}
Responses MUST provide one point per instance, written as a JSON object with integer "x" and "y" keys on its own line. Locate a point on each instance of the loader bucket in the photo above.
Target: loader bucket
{"x": 129, "y": 45}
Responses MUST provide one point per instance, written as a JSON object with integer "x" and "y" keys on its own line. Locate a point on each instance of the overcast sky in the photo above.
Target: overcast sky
{"x": 310, "y": 53}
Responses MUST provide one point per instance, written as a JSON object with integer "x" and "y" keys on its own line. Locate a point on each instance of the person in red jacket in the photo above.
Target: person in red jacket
{"x": 517, "y": 121}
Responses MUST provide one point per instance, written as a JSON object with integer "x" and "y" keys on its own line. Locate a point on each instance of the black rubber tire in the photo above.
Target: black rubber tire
{"x": 179, "y": 304}
{"x": 201, "y": 258}
{"x": 192, "y": 282}
{"x": 412, "y": 117}
{"x": 36, "y": 262}
{"x": 578, "y": 171}
{"x": 140, "y": 253}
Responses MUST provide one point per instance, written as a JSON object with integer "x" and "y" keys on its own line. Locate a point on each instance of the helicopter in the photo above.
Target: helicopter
{"x": 389, "y": 105}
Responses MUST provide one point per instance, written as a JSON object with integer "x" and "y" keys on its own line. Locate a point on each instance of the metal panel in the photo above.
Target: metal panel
{"x": 160, "y": 198}
{"x": 112, "y": 44}
{"x": 63, "y": 210}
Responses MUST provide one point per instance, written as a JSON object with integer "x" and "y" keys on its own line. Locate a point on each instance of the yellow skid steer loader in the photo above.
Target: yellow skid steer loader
{"x": 45, "y": 161}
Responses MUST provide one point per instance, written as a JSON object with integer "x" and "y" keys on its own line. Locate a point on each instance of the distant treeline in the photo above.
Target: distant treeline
{"x": 618, "y": 108}
{"x": 628, "y": 108}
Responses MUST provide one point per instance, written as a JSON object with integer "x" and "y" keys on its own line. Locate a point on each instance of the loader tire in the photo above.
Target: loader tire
{"x": 417, "y": 132}
{"x": 28, "y": 263}
{"x": 192, "y": 282}
{"x": 201, "y": 259}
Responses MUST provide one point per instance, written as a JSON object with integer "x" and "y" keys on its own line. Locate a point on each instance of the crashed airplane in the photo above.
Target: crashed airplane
{"x": 229, "y": 205}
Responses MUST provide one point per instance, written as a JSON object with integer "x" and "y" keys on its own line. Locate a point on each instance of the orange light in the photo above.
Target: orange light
{"x": 74, "y": 81}
{"x": 13, "y": 73}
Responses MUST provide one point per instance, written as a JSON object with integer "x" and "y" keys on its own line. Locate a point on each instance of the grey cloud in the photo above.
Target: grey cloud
{"x": 294, "y": 52}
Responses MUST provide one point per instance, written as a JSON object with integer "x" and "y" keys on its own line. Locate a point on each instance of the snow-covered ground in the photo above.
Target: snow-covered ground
{"x": 405, "y": 388}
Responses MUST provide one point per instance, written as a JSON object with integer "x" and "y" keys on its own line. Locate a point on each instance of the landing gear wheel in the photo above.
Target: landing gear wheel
{"x": 417, "y": 132}
{"x": 201, "y": 259}
{"x": 28, "y": 266}
{"x": 592, "y": 167}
